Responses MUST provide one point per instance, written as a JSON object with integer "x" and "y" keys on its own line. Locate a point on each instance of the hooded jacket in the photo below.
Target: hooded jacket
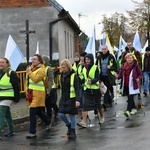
{"x": 88, "y": 67}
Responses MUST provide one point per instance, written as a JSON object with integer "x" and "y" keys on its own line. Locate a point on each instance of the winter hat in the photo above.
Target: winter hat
{"x": 76, "y": 54}
{"x": 147, "y": 48}
{"x": 83, "y": 54}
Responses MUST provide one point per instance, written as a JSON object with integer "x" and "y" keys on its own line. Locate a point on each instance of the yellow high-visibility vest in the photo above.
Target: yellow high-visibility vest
{"x": 6, "y": 88}
{"x": 36, "y": 86}
{"x": 91, "y": 75}
{"x": 72, "y": 89}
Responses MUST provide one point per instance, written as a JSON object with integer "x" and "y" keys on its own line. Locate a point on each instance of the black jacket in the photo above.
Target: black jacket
{"x": 67, "y": 104}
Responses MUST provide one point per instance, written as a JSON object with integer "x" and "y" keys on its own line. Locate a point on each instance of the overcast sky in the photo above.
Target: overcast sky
{"x": 92, "y": 11}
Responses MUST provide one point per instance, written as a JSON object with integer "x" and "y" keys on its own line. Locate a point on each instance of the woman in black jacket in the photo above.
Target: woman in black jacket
{"x": 69, "y": 86}
{"x": 9, "y": 92}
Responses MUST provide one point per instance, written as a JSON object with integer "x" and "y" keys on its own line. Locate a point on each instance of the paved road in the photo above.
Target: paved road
{"x": 117, "y": 133}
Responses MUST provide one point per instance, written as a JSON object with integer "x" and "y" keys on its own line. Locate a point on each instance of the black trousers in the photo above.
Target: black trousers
{"x": 107, "y": 97}
{"x": 50, "y": 103}
{"x": 130, "y": 101}
{"x": 40, "y": 113}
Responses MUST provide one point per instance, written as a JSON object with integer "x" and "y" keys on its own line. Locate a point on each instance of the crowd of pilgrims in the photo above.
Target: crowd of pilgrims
{"x": 79, "y": 84}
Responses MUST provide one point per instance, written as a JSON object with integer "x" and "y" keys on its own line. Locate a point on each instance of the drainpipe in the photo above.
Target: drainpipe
{"x": 50, "y": 34}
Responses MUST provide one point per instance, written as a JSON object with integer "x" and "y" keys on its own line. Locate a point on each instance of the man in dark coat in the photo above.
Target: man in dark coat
{"x": 108, "y": 67}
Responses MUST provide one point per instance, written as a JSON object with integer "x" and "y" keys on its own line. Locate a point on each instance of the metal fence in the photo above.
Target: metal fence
{"x": 22, "y": 77}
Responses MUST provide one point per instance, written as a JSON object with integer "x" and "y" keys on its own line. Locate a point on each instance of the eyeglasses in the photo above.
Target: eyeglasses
{"x": 34, "y": 59}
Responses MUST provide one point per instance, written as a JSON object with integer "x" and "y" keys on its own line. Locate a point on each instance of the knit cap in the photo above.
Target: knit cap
{"x": 83, "y": 54}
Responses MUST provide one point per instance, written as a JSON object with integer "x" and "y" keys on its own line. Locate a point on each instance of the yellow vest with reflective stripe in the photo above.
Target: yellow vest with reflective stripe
{"x": 91, "y": 75}
{"x": 80, "y": 74}
{"x": 111, "y": 64}
{"x": 143, "y": 57}
{"x": 6, "y": 88}
{"x": 36, "y": 86}
{"x": 72, "y": 89}
{"x": 75, "y": 67}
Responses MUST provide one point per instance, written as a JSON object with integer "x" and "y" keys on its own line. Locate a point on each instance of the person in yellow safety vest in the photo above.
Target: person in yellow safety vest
{"x": 51, "y": 89}
{"x": 9, "y": 93}
{"x": 75, "y": 65}
{"x": 92, "y": 95}
{"x": 69, "y": 101}
{"x": 35, "y": 76}
{"x": 79, "y": 73}
{"x": 108, "y": 67}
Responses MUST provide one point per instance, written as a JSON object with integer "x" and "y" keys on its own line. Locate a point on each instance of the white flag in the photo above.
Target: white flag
{"x": 146, "y": 45}
{"x": 136, "y": 42}
{"x": 90, "y": 48}
{"x": 13, "y": 53}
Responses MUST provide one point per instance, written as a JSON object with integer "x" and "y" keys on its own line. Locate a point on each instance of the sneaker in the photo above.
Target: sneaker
{"x": 120, "y": 92}
{"x": 82, "y": 124}
{"x": 31, "y": 136}
{"x": 102, "y": 120}
{"x": 9, "y": 133}
{"x": 127, "y": 113}
{"x": 133, "y": 112}
{"x": 145, "y": 94}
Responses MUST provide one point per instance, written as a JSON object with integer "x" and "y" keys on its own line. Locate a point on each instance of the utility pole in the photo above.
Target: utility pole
{"x": 27, "y": 32}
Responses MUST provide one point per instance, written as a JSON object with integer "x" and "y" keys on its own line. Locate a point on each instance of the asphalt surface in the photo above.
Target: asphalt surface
{"x": 117, "y": 133}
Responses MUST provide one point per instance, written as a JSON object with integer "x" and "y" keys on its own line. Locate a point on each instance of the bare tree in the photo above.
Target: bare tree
{"x": 115, "y": 26}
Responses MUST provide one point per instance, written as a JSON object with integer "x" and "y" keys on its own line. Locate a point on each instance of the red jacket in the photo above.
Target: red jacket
{"x": 137, "y": 73}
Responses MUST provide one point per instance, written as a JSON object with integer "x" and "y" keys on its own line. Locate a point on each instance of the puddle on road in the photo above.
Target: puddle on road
{"x": 132, "y": 125}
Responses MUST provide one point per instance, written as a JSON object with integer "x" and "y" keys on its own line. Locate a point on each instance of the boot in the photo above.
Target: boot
{"x": 72, "y": 134}
{"x": 69, "y": 129}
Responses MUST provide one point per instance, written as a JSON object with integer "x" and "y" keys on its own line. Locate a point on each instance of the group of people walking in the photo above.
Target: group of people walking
{"x": 79, "y": 87}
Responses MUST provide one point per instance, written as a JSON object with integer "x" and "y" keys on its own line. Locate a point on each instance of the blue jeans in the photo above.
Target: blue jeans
{"x": 146, "y": 81}
{"x": 72, "y": 119}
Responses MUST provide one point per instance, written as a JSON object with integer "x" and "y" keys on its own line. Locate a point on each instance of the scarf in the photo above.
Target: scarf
{"x": 128, "y": 66}
{"x": 33, "y": 68}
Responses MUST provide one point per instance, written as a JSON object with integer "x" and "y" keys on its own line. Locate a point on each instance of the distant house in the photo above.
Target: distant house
{"x": 55, "y": 30}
